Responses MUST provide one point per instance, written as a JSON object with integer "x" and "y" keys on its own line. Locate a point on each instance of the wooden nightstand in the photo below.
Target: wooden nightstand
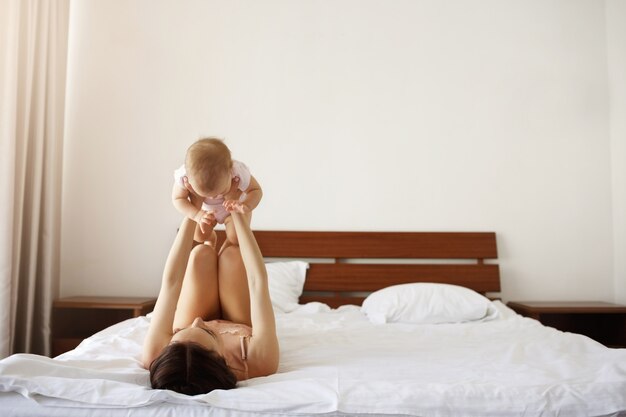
{"x": 604, "y": 322}
{"x": 75, "y": 318}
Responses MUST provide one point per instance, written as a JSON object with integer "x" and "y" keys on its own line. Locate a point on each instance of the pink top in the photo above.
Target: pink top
{"x": 235, "y": 338}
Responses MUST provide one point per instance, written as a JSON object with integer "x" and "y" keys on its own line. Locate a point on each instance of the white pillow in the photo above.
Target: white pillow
{"x": 286, "y": 280}
{"x": 426, "y": 303}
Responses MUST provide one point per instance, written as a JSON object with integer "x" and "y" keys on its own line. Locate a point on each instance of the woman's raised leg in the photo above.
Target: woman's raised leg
{"x": 233, "y": 286}
{"x": 199, "y": 295}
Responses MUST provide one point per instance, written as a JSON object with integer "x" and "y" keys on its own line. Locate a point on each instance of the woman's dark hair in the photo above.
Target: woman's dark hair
{"x": 191, "y": 369}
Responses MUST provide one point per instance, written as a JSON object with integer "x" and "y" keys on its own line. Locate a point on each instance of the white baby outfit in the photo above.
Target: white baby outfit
{"x": 216, "y": 205}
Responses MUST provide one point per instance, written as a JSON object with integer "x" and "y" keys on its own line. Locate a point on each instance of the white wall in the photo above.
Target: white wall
{"x": 616, "y": 47}
{"x": 354, "y": 115}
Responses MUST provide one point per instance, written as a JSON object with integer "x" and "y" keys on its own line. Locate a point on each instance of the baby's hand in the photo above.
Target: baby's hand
{"x": 236, "y": 206}
{"x": 206, "y": 220}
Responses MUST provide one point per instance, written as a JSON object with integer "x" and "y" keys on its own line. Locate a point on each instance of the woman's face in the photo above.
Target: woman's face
{"x": 199, "y": 333}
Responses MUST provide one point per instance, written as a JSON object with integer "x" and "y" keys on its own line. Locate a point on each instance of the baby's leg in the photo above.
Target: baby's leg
{"x": 231, "y": 234}
{"x": 199, "y": 295}
{"x": 233, "y": 286}
{"x": 208, "y": 237}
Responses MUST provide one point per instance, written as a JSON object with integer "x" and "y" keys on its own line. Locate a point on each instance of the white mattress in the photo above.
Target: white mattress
{"x": 336, "y": 362}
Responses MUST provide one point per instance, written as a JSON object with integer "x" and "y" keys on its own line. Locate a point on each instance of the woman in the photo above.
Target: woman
{"x": 213, "y": 323}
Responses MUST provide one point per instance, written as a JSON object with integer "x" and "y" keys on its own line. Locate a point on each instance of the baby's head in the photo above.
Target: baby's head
{"x": 208, "y": 165}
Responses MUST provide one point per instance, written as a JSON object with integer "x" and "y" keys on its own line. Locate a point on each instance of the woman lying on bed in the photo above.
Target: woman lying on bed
{"x": 213, "y": 323}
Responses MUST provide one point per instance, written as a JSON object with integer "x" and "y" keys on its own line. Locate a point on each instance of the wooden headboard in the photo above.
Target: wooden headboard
{"x": 342, "y": 263}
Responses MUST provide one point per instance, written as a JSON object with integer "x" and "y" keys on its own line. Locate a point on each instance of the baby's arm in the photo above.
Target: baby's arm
{"x": 180, "y": 199}
{"x": 253, "y": 194}
{"x": 253, "y": 197}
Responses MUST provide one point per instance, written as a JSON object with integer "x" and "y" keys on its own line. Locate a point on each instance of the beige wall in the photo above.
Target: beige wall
{"x": 353, "y": 115}
{"x": 616, "y": 47}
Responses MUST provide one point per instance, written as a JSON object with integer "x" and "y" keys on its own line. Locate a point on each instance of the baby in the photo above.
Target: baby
{"x": 225, "y": 185}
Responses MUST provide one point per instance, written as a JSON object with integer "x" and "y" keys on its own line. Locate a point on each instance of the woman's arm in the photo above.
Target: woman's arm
{"x": 160, "y": 330}
{"x": 264, "y": 343}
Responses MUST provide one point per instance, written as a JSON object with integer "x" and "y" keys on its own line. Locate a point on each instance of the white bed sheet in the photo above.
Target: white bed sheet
{"x": 337, "y": 362}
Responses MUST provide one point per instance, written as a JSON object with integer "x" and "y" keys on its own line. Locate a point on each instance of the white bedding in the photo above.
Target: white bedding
{"x": 336, "y": 361}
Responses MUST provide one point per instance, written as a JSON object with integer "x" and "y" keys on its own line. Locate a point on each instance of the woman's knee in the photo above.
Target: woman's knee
{"x": 202, "y": 255}
{"x": 231, "y": 255}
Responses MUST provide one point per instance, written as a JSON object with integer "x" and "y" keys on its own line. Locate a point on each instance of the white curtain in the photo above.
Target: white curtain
{"x": 33, "y": 57}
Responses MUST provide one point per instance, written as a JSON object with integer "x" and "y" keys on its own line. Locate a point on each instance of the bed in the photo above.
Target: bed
{"x": 369, "y": 323}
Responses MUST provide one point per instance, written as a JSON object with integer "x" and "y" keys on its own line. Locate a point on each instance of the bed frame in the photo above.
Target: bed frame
{"x": 345, "y": 266}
